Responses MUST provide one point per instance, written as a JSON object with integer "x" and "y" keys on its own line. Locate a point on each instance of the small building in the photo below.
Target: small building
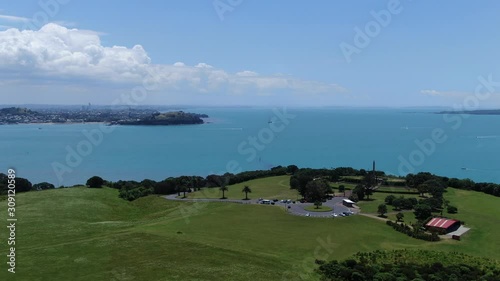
{"x": 348, "y": 203}
{"x": 443, "y": 225}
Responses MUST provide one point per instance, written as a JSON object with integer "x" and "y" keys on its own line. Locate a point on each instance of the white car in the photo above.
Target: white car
{"x": 307, "y": 215}
{"x": 335, "y": 215}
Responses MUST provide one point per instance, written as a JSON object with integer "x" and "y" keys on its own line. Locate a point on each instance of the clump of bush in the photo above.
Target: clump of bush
{"x": 415, "y": 232}
{"x": 134, "y": 193}
{"x": 401, "y": 203}
{"x": 403, "y": 265}
{"x": 452, "y": 210}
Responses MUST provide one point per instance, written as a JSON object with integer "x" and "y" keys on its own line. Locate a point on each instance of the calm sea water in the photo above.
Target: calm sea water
{"x": 313, "y": 138}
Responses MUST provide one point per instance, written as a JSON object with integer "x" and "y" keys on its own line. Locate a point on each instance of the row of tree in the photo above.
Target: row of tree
{"x": 415, "y": 232}
{"x": 131, "y": 190}
{"x": 22, "y": 185}
{"x": 401, "y": 267}
{"x": 301, "y": 177}
{"x": 425, "y": 182}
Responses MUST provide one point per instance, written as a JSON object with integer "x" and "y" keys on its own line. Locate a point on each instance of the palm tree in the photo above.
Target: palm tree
{"x": 223, "y": 188}
{"x": 247, "y": 190}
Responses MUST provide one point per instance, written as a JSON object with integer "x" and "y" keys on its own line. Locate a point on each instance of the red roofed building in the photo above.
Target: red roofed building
{"x": 443, "y": 225}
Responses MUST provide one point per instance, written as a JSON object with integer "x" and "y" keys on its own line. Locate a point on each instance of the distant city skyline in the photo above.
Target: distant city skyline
{"x": 256, "y": 53}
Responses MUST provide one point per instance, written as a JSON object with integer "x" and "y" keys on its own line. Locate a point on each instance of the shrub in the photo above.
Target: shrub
{"x": 452, "y": 209}
{"x": 389, "y": 199}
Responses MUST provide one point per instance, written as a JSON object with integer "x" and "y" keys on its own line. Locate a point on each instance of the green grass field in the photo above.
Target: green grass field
{"x": 267, "y": 188}
{"x": 91, "y": 234}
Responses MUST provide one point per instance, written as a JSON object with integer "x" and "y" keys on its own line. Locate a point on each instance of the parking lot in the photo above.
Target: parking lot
{"x": 335, "y": 203}
{"x": 295, "y": 209}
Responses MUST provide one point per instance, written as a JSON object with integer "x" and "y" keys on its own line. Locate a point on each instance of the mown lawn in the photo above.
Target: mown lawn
{"x": 267, "y": 188}
{"x": 91, "y": 234}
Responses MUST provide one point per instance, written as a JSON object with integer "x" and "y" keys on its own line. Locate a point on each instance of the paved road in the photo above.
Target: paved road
{"x": 460, "y": 231}
{"x": 295, "y": 209}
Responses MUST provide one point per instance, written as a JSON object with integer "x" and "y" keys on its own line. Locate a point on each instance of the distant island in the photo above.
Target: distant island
{"x": 473, "y": 112}
{"x": 124, "y": 116}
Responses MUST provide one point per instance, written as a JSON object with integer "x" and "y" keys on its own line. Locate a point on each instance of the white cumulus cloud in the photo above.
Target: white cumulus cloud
{"x": 57, "y": 52}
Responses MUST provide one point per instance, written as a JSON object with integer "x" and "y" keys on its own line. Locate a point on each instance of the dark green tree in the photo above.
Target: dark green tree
{"x": 184, "y": 189}
{"x": 400, "y": 216}
{"x": 23, "y": 185}
{"x": 389, "y": 199}
{"x": 422, "y": 211}
{"x": 397, "y": 203}
{"x": 359, "y": 190}
{"x": 368, "y": 192}
{"x": 422, "y": 189}
{"x": 43, "y": 186}
{"x": 294, "y": 183}
{"x": 382, "y": 209}
{"x": 292, "y": 169}
{"x": 342, "y": 189}
{"x": 147, "y": 183}
{"x": 95, "y": 182}
{"x": 318, "y": 204}
{"x": 316, "y": 190}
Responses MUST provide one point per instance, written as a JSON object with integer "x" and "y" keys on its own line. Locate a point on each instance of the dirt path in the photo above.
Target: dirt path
{"x": 373, "y": 216}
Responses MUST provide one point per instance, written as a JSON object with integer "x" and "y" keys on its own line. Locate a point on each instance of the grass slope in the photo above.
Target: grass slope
{"x": 91, "y": 234}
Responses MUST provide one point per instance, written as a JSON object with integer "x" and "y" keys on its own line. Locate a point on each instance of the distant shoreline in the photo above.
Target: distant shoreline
{"x": 473, "y": 112}
{"x": 16, "y": 116}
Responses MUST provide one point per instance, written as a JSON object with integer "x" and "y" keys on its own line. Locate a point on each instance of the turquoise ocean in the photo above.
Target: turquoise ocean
{"x": 238, "y": 139}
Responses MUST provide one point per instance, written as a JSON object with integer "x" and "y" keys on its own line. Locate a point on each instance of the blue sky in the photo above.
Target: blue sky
{"x": 254, "y": 53}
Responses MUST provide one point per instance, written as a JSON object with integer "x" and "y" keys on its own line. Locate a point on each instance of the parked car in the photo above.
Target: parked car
{"x": 335, "y": 215}
{"x": 307, "y": 215}
{"x": 265, "y": 201}
{"x": 275, "y": 200}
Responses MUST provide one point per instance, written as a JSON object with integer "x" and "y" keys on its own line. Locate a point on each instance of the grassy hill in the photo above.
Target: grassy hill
{"x": 91, "y": 234}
